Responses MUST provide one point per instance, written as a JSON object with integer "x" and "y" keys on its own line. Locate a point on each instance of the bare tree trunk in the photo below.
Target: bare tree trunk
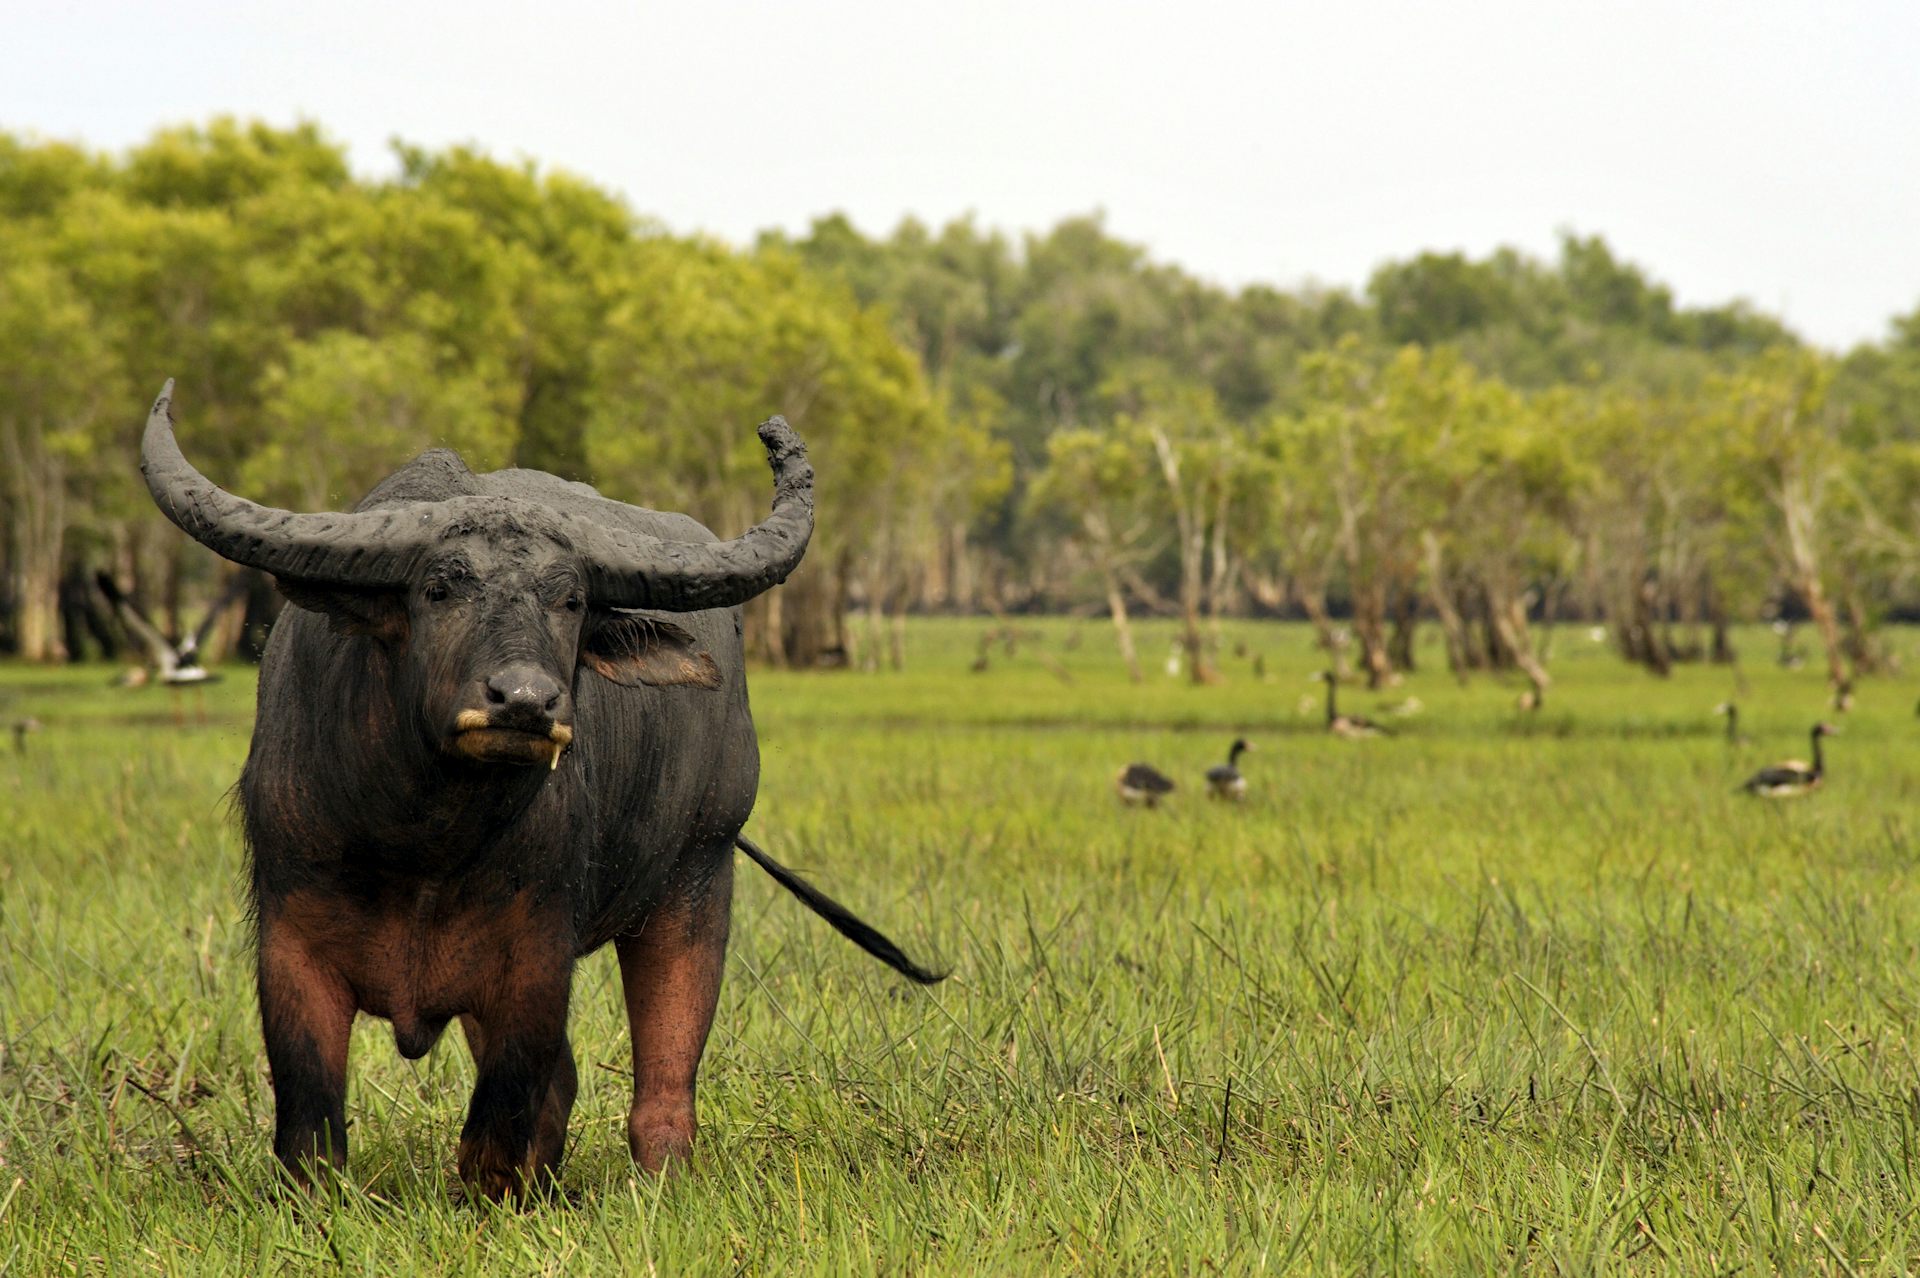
{"x": 1653, "y": 651}
{"x": 960, "y": 575}
{"x": 1406, "y": 617}
{"x": 1369, "y": 627}
{"x": 1507, "y": 613}
{"x": 1859, "y": 644}
{"x": 1799, "y": 512}
{"x": 1220, "y": 567}
{"x": 897, "y": 638}
{"x": 1440, "y": 594}
{"x": 1122, "y": 628}
{"x": 1720, "y": 650}
{"x": 1818, "y": 606}
{"x": 1192, "y": 533}
{"x": 775, "y": 626}
{"x": 37, "y": 493}
{"x": 1312, "y": 595}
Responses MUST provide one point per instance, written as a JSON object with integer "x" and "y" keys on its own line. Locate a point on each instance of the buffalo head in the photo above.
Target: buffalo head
{"x": 486, "y": 605}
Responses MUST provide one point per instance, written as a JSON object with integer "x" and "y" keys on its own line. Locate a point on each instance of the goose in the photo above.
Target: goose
{"x": 1223, "y": 779}
{"x": 176, "y": 665}
{"x": 1791, "y": 777}
{"x": 1142, "y": 783}
{"x": 1350, "y": 726}
{"x": 1732, "y": 711}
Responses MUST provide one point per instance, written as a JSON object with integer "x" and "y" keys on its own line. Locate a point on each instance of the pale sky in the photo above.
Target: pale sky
{"x": 1762, "y": 150}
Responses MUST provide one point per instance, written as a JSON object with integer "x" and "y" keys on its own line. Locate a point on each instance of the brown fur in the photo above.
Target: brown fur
{"x": 670, "y": 972}
{"x": 419, "y": 961}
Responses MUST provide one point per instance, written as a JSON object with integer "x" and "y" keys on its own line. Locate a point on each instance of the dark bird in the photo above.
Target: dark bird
{"x": 1142, "y": 783}
{"x": 1732, "y": 711}
{"x": 1792, "y": 777}
{"x": 1223, "y": 779}
{"x": 1350, "y": 726}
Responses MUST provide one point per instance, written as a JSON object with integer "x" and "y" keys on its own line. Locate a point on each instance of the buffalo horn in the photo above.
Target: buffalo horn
{"x": 632, "y": 571}
{"x": 371, "y": 549}
{"x": 376, "y": 549}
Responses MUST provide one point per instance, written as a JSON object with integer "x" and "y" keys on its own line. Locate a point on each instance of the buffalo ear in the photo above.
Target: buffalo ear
{"x": 379, "y": 614}
{"x": 634, "y": 648}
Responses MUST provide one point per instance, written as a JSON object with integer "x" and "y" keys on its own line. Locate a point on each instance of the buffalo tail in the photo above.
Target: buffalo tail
{"x": 839, "y": 916}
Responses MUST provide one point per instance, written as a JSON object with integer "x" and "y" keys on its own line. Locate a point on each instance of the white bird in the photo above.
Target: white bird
{"x": 176, "y": 665}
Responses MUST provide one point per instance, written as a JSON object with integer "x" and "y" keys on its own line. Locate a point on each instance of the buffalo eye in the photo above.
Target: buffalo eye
{"x": 574, "y": 602}
{"x": 436, "y": 593}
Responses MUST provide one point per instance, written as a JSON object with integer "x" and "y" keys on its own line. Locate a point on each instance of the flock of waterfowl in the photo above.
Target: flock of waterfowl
{"x": 1144, "y": 785}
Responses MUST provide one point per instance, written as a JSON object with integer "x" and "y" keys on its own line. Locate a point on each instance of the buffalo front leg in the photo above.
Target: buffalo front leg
{"x": 670, "y": 970}
{"x": 306, "y": 1016}
{"x": 516, "y": 1124}
{"x": 550, "y": 1125}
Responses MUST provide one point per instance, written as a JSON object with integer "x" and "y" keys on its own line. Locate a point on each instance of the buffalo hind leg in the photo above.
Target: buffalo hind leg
{"x": 670, "y": 970}
{"x": 517, "y": 1121}
{"x": 306, "y": 1017}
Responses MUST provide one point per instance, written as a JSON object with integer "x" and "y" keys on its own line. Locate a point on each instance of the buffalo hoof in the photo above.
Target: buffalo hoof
{"x": 488, "y": 1174}
{"x": 661, "y": 1140}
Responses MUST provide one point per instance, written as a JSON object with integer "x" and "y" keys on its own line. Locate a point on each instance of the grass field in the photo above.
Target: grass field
{"x": 1502, "y": 992}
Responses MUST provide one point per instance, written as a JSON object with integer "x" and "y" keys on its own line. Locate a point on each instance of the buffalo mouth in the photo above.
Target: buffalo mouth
{"x": 479, "y": 737}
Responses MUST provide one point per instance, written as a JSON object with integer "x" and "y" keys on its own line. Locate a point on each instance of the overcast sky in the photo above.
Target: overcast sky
{"x": 1761, "y": 150}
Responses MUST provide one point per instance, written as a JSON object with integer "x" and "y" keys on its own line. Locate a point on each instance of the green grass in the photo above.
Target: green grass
{"x": 1503, "y": 992}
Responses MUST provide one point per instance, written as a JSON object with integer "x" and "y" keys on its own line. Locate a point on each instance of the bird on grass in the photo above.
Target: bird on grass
{"x": 173, "y": 664}
{"x": 1732, "y": 711}
{"x": 1142, "y": 784}
{"x": 1350, "y": 726}
{"x": 21, "y": 727}
{"x": 1792, "y": 777}
{"x": 1223, "y": 779}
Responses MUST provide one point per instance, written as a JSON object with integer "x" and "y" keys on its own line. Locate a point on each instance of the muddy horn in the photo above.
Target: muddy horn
{"x": 632, "y": 571}
{"x": 369, "y": 549}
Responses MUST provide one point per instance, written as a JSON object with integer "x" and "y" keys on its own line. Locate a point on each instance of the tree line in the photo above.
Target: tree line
{"x": 1053, "y": 422}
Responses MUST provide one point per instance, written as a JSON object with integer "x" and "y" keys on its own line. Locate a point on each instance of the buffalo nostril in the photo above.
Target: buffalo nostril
{"x": 524, "y": 690}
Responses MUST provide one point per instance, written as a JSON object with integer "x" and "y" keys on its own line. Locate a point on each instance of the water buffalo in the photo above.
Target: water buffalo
{"x": 505, "y": 724}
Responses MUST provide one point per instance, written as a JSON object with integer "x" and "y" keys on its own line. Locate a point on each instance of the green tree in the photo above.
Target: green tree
{"x": 56, "y": 407}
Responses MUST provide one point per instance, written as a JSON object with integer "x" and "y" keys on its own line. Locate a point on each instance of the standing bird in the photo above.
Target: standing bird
{"x": 1223, "y": 779}
{"x": 1792, "y": 777}
{"x": 1350, "y": 726}
{"x": 1142, "y": 783}
{"x": 176, "y": 665}
{"x": 1732, "y": 711}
